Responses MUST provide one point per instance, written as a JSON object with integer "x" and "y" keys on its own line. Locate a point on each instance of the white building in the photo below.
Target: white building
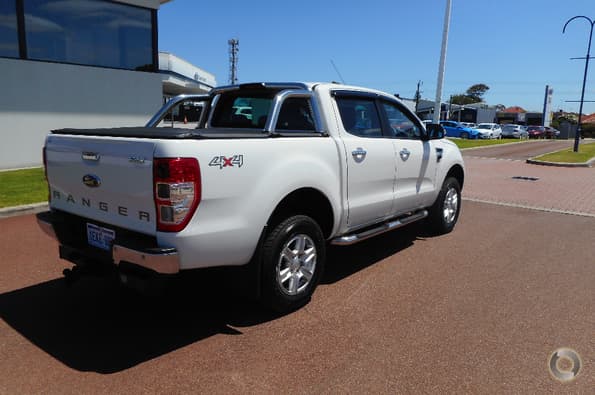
{"x": 80, "y": 64}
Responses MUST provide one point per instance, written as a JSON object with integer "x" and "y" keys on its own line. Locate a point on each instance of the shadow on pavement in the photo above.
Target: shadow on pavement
{"x": 344, "y": 261}
{"x": 96, "y": 325}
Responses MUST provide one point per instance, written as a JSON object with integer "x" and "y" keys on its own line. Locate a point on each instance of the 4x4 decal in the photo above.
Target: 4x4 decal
{"x": 223, "y": 161}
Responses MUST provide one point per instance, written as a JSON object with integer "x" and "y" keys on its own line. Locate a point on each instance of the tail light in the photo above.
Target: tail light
{"x": 177, "y": 192}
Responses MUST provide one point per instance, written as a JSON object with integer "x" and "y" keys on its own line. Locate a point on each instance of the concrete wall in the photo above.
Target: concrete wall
{"x": 37, "y": 97}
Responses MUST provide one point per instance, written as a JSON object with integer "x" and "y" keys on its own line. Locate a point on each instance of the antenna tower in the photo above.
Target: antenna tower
{"x": 234, "y": 44}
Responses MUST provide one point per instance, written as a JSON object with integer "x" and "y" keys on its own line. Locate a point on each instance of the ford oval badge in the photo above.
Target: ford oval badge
{"x": 91, "y": 180}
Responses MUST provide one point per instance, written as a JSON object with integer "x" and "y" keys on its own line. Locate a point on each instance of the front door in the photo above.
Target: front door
{"x": 415, "y": 159}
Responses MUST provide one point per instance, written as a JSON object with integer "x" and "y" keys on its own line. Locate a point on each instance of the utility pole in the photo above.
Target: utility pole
{"x": 417, "y": 95}
{"x": 234, "y": 48}
{"x": 438, "y": 104}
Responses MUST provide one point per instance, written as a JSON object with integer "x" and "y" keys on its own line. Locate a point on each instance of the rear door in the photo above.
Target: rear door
{"x": 108, "y": 179}
{"x": 370, "y": 159}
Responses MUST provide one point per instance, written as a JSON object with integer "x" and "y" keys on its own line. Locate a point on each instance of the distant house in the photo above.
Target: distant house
{"x": 590, "y": 119}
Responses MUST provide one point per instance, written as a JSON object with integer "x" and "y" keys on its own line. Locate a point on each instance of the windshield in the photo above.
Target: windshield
{"x": 484, "y": 127}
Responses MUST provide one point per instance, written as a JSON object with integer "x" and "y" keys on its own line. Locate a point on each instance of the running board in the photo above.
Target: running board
{"x": 385, "y": 227}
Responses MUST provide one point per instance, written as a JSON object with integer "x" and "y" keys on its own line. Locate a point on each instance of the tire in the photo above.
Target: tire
{"x": 444, "y": 213}
{"x": 465, "y": 135}
{"x": 292, "y": 261}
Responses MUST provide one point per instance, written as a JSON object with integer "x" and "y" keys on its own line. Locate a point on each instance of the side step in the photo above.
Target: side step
{"x": 385, "y": 227}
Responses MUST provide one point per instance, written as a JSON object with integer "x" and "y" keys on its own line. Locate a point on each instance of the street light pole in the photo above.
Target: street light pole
{"x": 437, "y": 103}
{"x": 580, "y": 111}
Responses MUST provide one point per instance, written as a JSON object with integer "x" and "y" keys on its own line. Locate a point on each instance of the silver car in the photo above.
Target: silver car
{"x": 489, "y": 130}
{"x": 515, "y": 131}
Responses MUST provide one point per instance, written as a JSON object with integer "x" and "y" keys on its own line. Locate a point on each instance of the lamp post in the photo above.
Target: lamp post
{"x": 441, "y": 67}
{"x": 580, "y": 111}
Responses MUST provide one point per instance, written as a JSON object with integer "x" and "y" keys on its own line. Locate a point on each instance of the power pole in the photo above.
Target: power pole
{"x": 417, "y": 95}
{"x": 234, "y": 48}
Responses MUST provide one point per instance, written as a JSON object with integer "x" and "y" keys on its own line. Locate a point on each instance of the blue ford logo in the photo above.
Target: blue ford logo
{"x": 92, "y": 181}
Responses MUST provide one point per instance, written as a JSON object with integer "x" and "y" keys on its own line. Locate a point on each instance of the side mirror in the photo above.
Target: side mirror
{"x": 435, "y": 131}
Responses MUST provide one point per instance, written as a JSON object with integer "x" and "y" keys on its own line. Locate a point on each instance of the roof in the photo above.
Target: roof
{"x": 589, "y": 119}
{"x": 514, "y": 109}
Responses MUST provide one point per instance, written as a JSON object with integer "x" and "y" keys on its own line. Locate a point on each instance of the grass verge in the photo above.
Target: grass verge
{"x": 585, "y": 153}
{"x": 18, "y": 187}
{"x": 481, "y": 143}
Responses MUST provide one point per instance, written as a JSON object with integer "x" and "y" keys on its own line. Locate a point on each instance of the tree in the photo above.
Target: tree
{"x": 473, "y": 95}
{"x": 477, "y": 91}
{"x": 463, "y": 99}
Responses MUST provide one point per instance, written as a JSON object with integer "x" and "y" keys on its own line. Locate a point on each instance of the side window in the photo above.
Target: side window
{"x": 295, "y": 114}
{"x": 401, "y": 126}
{"x": 185, "y": 115}
{"x": 360, "y": 116}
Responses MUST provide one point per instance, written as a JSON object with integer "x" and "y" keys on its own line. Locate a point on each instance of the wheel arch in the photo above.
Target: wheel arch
{"x": 457, "y": 172}
{"x": 305, "y": 201}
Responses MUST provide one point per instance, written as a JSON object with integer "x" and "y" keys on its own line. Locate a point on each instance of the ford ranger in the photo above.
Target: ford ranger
{"x": 270, "y": 174}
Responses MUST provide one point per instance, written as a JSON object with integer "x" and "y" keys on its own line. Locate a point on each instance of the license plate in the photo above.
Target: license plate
{"x": 100, "y": 237}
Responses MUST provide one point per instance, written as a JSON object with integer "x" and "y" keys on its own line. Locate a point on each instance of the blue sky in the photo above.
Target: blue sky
{"x": 514, "y": 47}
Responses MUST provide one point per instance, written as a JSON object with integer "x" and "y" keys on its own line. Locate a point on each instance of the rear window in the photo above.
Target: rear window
{"x": 244, "y": 109}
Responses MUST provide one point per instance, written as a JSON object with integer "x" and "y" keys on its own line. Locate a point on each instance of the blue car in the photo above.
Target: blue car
{"x": 455, "y": 129}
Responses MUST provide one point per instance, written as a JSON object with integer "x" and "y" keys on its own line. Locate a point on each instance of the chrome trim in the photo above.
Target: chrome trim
{"x": 385, "y": 227}
{"x": 136, "y": 159}
{"x": 359, "y": 154}
{"x": 405, "y": 154}
{"x": 162, "y": 262}
{"x": 280, "y": 98}
{"x": 87, "y": 155}
{"x": 154, "y": 121}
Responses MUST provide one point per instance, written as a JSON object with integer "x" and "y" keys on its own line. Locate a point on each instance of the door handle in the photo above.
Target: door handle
{"x": 359, "y": 154}
{"x": 405, "y": 154}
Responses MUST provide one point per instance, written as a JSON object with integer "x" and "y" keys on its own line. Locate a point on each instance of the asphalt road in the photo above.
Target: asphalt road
{"x": 480, "y": 310}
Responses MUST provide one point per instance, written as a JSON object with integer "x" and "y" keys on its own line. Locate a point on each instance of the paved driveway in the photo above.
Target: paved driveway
{"x": 480, "y": 310}
{"x": 500, "y": 175}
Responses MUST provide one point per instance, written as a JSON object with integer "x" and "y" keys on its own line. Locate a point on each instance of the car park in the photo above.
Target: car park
{"x": 489, "y": 130}
{"x": 455, "y": 129}
{"x": 515, "y": 131}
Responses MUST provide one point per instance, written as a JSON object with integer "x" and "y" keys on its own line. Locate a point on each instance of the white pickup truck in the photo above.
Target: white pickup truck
{"x": 268, "y": 175}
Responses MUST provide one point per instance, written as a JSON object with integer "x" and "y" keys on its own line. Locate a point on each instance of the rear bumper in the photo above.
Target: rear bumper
{"x": 126, "y": 249}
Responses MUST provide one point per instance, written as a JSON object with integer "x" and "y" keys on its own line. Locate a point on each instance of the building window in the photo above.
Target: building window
{"x": 9, "y": 36}
{"x": 89, "y": 32}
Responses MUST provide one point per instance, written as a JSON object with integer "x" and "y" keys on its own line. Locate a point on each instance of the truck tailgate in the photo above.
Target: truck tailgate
{"x": 105, "y": 179}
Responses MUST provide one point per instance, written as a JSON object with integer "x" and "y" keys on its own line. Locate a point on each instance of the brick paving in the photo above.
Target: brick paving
{"x": 558, "y": 189}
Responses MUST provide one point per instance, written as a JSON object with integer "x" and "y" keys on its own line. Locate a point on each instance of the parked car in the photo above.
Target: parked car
{"x": 489, "y": 130}
{"x": 551, "y": 133}
{"x": 469, "y": 124}
{"x": 536, "y": 132}
{"x": 455, "y": 129}
{"x": 515, "y": 131}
